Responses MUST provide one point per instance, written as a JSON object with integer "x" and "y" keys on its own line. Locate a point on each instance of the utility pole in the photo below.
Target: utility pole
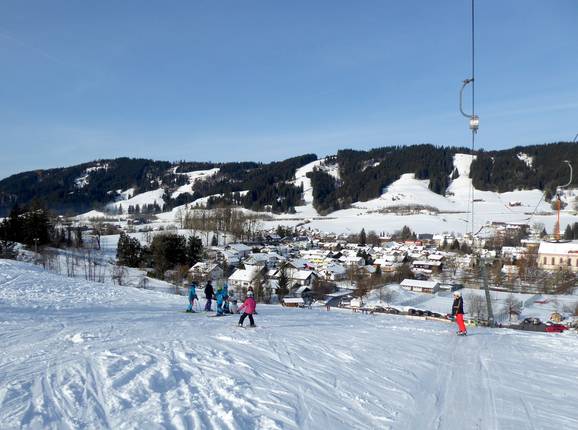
{"x": 474, "y": 123}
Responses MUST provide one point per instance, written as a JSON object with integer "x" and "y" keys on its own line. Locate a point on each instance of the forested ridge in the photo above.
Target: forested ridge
{"x": 362, "y": 175}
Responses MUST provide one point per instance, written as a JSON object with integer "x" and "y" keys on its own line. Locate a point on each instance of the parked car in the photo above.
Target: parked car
{"x": 555, "y": 328}
{"x": 391, "y": 310}
{"x": 535, "y": 321}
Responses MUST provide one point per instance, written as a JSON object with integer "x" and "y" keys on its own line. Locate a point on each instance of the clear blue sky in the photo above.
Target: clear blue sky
{"x": 265, "y": 80}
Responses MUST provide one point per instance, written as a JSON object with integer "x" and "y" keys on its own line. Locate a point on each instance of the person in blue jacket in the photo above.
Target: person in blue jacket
{"x": 226, "y": 298}
{"x": 192, "y": 296}
{"x": 220, "y": 299}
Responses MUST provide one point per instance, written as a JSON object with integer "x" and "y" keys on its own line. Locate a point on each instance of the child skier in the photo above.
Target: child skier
{"x": 458, "y": 313}
{"x": 226, "y": 299}
{"x": 248, "y": 309}
{"x": 220, "y": 299}
{"x": 233, "y": 307}
{"x": 209, "y": 296}
{"x": 192, "y": 296}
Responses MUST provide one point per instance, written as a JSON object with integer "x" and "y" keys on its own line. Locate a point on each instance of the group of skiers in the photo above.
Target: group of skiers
{"x": 226, "y": 303}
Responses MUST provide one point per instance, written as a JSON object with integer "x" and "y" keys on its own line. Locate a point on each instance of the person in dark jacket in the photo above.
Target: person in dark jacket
{"x": 458, "y": 313}
{"x": 209, "y": 293}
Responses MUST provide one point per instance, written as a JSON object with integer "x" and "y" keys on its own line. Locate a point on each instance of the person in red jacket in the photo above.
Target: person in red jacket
{"x": 248, "y": 308}
{"x": 458, "y": 313}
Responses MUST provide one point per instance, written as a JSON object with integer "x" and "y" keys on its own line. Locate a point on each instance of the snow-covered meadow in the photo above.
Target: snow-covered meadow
{"x": 77, "y": 354}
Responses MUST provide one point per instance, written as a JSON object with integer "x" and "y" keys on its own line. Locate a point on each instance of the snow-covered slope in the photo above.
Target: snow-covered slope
{"x": 197, "y": 175}
{"x": 454, "y": 208}
{"x": 81, "y": 355}
{"x": 301, "y": 179}
{"x": 143, "y": 199}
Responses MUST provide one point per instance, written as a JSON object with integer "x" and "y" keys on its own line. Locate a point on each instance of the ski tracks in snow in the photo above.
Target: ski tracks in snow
{"x": 97, "y": 356}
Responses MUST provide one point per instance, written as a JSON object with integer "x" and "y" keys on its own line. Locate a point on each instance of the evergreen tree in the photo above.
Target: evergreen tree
{"x": 283, "y": 288}
{"x": 362, "y": 237}
{"x": 194, "y": 250}
{"x": 128, "y": 251}
{"x": 169, "y": 250}
{"x": 568, "y": 234}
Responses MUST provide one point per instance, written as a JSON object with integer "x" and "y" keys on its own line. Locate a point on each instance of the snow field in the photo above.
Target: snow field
{"x": 83, "y": 355}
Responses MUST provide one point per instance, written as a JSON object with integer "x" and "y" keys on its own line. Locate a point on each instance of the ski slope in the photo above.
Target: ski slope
{"x": 82, "y": 355}
{"x": 452, "y": 212}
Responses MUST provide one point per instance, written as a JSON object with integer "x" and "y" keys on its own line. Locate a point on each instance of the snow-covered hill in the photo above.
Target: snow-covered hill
{"x": 451, "y": 213}
{"x": 81, "y": 355}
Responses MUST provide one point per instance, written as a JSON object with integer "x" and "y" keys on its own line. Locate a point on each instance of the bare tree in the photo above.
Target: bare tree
{"x": 387, "y": 294}
{"x": 476, "y": 306}
{"x": 118, "y": 274}
{"x": 511, "y": 307}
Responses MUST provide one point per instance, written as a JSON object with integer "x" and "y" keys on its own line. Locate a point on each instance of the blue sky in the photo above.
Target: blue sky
{"x": 266, "y": 80}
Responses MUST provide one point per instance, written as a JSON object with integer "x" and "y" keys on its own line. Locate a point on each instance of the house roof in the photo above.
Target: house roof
{"x": 427, "y": 263}
{"x": 297, "y": 300}
{"x": 301, "y": 275}
{"x": 560, "y": 248}
{"x": 244, "y": 275}
{"x": 240, "y": 247}
{"x": 419, "y": 284}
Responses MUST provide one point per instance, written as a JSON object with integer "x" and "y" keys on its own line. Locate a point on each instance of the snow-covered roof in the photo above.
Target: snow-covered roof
{"x": 427, "y": 263}
{"x": 560, "y": 248}
{"x": 297, "y": 300}
{"x": 204, "y": 266}
{"x": 240, "y": 247}
{"x": 244, "y": 275}
{"x": 301, "y": 275}
{"x": 337, "y": 269}
{"x": 419, "y": 284}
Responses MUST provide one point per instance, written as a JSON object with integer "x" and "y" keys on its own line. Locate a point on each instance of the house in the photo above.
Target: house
{"x": 334, "y": 272}
{"x": 240, "y": 249}
{"x": 293, "y": 302}
{"x": 556, "y": 255}
{"x": 427, "y": 266}
{"x": 353, "y": 261}
{"x": 245, "y": 278}
{"x": 229, "y": 257}
{"x": 417, "y": 286}
{"x": 204, "y": 270}
{"x": 301, "y": 277}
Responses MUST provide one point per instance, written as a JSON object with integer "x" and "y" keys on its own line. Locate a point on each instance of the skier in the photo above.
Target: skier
{"x": 220, "y": 299}
{"x": 226, "y": 299}
{"x": 234, "y": 309}
{"x": 458, "y": 313}
{"x": 248, "y": 309}
{"x": 192, "y": 296}
{"x": 209, "y": 292}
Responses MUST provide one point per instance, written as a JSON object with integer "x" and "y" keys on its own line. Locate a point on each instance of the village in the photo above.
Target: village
{"x": 371, "y": 272}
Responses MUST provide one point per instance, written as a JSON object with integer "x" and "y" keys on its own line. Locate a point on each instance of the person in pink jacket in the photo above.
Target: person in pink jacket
{"x": 248, "y": 308}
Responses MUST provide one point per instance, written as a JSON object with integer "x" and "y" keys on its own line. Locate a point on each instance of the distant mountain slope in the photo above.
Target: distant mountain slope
{"x": 99, "y": 183}
{"x": 527, "y": 167}
{"x": 331, "y": 184}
